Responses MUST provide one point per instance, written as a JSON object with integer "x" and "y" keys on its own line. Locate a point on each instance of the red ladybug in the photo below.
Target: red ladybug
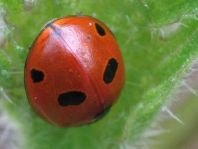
{"x": 74, "y": 71}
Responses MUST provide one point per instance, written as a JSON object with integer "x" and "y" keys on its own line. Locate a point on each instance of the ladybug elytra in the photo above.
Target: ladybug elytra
{"x": 74, "y": 71}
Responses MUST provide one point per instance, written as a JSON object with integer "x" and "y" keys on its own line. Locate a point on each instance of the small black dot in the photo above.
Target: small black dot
{"x": 110, "y": 71}
{"x": 102, "y": 114}
{"x": 37, "y": 75}
{"x": 71, "y": 98}
{"x": 100, "y": 30}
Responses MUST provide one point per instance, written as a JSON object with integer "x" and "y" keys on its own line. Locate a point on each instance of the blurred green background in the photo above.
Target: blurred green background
{"x": 158, "y": 40}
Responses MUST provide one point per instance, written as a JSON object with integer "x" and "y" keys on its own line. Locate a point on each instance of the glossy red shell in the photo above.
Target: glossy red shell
{"x": 71, "y": 54}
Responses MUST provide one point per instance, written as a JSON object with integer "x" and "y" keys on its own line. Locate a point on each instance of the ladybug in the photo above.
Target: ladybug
{"x": 74, "y": 71}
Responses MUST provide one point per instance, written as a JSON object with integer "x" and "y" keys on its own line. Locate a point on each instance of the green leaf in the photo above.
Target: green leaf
{"x": 158, "y": 41}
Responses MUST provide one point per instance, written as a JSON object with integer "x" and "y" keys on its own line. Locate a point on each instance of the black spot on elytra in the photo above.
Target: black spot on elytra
{"x": 100, "y": 30}
{"x": 71, "y": 98}
{"x": 110, "y": 70}
{"x": 37, "y": 75}
{"x": 102, "y": 114}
